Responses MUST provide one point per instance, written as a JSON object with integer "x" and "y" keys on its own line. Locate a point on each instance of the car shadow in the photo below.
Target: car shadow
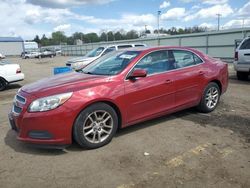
{"x": 234, "y": 79}
{"x": 240, "y": 125}
{"x": 139, "y": 126}
{"x": 11, "y": 141}
{"x": 13, "y": 86}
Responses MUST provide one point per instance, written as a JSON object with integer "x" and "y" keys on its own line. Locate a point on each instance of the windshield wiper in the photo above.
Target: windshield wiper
{"x": 87, "y": 72}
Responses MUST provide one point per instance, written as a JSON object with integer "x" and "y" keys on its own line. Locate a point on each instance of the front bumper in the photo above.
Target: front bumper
{"x": 50, "y": 128}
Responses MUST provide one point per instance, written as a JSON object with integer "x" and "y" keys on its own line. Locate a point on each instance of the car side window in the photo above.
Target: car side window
{"x": 245, "y": 45}
{"x": 110, "y": 49}
{"x": 124, "y": 46}
{"x": 139, "y": 45}
{"x": 184, "y": 58}
{"x": 155, "y": 62}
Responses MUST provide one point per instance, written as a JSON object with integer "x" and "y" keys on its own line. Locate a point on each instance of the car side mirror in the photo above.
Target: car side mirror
{"x": 138, "y": 73}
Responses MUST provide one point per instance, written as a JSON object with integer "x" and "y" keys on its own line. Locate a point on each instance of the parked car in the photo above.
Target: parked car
{"x": 80, "y": 62}
{"x": 46, "y": 53}
{"x": 28, "y": 55}
{"x": 58, "y": 51}
{"x": 242, "y": 59}
{"x": 2, "y": 56}
{"x": 9, "y": 73}
{"x": 117, "y": 90}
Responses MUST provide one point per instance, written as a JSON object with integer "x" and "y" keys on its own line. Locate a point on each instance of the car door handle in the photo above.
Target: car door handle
{"x": 201, "y": 73}
{"x": 168, "y": 81}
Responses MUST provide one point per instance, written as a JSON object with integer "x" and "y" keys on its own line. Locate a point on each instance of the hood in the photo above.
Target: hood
{"x": 82, "y": 59}
{"x": 62, "y": 83}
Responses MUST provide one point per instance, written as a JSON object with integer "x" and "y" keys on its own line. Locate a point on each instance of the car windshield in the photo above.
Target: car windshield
{"x": 95, "y": 52}
{"x": 111, "y": 64}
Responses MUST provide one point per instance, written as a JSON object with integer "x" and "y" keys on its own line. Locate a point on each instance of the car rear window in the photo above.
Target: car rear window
{"x": 245, "y": 44}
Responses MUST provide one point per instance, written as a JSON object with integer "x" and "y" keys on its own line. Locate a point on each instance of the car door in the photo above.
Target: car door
{"x": 244, "y": 52}
{"x": 152, "y": 94}
{"x": 189, "y": 77}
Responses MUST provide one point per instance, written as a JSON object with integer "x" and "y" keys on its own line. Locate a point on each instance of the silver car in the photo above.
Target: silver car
{"x": 81, "y": 62}
{"x": 242, "y": 59}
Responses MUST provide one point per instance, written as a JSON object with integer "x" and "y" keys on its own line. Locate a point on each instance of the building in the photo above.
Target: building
{"x": 11, "y": 45}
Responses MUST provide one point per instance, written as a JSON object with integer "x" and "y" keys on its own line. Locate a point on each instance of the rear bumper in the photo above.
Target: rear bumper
{"x": 241, "y": 67}
{"x": 15, "y": 78}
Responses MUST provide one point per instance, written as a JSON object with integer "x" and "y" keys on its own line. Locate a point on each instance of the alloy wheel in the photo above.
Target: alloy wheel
{"x": 212, "y": 97}
{"x": 98, "y": 126}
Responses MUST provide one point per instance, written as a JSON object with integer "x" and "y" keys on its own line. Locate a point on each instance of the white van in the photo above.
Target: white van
{"x": 242, "y": 59}
{"x": 80, "y": 62}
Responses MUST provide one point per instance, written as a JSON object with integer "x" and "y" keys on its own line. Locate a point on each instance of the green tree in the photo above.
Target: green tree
{"x": 45, "y": 41}
{"x": 118, "y": 36}
{"x": 92, "y": 37}
{"x": 103, "y": 37}
{"x": 37, "y": 39}
{"x": 58, "y": 37}
{"x": 110, "y": 36}
{"x": 132, "y": 34}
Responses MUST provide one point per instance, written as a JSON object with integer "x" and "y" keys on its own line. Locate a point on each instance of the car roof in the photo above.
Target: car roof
{"x": 159, "y": 48}
{"x": 124, "y": 44}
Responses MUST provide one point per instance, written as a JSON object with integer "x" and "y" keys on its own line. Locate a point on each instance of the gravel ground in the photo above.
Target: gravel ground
{"x": 185, "y": 149}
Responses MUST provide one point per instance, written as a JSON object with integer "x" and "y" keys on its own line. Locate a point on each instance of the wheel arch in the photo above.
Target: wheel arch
{"x": 108, "y": 102}
{"x": 2, "y": 78}
{"x": 218, "y": 83}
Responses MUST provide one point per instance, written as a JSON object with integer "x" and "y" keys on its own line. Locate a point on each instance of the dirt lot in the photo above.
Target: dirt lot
{"x": 186, "y": 149}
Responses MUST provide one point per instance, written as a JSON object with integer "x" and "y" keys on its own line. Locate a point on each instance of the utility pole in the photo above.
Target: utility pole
{"x": 243, "y": 25}
{"x": 219, "y": 15}
{"x": 158, "y": 22}
{"x": 145, "y": 29}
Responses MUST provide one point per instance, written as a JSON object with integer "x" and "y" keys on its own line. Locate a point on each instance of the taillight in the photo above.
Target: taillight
{"x": 18, "y": 71}
{"x": 236, "y": 56}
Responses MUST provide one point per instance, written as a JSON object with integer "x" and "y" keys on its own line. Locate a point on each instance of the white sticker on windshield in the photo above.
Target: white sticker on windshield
{"x": 127, "y": 56}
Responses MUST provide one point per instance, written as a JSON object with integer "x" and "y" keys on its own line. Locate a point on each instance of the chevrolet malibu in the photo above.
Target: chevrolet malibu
{"x": 119, "y": 89}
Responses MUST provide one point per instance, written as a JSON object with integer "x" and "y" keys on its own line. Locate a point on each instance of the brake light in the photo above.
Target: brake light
{"x": 236, "y": 56}
{"x": 18, "y": 71}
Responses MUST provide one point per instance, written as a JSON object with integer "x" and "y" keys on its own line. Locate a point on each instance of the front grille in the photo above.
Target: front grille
{"x": 18, "y": 102}
{"x": 20, "y": 99}
{"x": 17, "y": 109}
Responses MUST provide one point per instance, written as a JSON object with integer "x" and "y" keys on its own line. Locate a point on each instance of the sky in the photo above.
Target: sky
{"x": 27, "y": 18}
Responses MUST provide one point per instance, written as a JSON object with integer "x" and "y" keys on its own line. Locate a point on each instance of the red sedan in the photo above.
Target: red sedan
{"x": 119, "y": 89}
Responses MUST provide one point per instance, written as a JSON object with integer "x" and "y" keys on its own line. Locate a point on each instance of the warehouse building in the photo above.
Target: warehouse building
{"x": 11, "y": 45}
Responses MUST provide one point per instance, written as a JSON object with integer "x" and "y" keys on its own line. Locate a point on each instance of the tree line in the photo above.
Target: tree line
{"x": 59, "y": 37}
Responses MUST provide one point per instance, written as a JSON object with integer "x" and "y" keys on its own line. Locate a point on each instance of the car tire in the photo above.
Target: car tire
{"x": 210, "y": 98}
{"x": 242, "y": 75}
{"x": 95, "y": 126}
{"x": 3, "y": 84}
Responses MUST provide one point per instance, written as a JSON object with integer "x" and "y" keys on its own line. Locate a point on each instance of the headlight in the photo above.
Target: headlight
{"x": 49, "y": 103}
